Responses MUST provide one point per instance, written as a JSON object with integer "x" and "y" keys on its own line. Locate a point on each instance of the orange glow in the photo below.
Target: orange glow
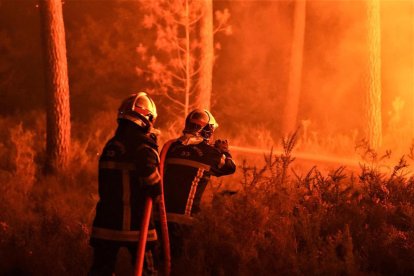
{"x": 337, "y": 198}
{"x": 373, "y": 103}
{"x": 397, "y": 30}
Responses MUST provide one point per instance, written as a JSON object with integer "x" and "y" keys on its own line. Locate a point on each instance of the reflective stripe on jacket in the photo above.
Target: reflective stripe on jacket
{"x": 186, "y": 174}
{"x": 128, "y": 165}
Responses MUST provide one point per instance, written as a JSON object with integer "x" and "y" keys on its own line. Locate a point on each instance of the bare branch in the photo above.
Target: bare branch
{"x": 177, "y": 77}
{"x": 196, "y": 20}
{"x": 197, "y": 71}
{"x": 174, "y": 100}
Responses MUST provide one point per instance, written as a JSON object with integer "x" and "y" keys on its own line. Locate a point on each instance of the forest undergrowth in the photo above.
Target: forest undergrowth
{"x": 279, "y": 222}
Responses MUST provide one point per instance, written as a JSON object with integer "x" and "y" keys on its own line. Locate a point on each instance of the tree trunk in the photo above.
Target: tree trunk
{"x": 374, "y": 74}
{"x": 56, "y": 75}
{"x": 187, "y": 60}
{"x": 295, "y": 73}
{"x": 207, "y": 55}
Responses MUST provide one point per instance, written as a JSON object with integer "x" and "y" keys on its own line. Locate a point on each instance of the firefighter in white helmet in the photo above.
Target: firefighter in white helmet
{"x": 128, "y": 173}
{"x": 189, "y": 162}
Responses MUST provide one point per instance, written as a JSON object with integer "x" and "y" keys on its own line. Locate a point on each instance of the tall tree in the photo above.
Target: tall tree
{"x": 208, "y": 30}
{"x": 373, "y": 99}
{"x": 180, "y": 60}
{"x": 56, "y": 75}
{"x": 169, "y": 62}
{"x": 206, "y": 54}
{"x": 187, "y": 53}
{"x": 295, "y": 69}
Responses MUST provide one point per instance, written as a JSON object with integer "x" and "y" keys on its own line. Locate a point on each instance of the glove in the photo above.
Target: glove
{"x": 222, "y": 146}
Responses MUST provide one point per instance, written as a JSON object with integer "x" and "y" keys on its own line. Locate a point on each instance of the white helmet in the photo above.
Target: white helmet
{"x": 138, "y": 108}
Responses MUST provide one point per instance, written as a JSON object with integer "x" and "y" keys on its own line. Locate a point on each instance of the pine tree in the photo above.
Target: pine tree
{"x": 180, "y": 61}
{"x": 56, "y": 75}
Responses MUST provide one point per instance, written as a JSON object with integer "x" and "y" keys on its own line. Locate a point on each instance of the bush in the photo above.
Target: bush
{"x": 281, "y": 223}
{"x": 44, "y": 220}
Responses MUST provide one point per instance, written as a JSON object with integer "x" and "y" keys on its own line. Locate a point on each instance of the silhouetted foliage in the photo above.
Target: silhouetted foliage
{"x": 310, "y": 225}
{"x": 278, "y": 222}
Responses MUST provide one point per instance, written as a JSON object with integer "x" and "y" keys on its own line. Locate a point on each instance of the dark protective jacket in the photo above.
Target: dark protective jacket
{"x": 128, "y": 172}
{"x": 187, "y": 170}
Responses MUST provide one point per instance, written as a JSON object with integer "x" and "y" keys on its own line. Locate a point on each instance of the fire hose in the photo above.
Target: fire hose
{"x": 163, "y": 213}
{"x": 352, "y": 162}
{"x": 143, "y": 237}
{"x": 163, "y": 223}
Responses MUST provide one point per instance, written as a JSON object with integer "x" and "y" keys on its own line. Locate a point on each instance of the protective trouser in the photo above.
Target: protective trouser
{"x": 105, "y": 256}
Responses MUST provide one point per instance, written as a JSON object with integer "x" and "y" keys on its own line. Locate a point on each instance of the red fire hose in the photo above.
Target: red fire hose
{"x": 163, "y": 222}
{"x": 143, "y": 237}
{"x": 163, "y": 213}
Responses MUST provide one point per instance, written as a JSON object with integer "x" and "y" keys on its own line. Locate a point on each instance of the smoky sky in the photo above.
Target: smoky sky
{"x": 334, "y": 59}
{"x": 251, "y": 69}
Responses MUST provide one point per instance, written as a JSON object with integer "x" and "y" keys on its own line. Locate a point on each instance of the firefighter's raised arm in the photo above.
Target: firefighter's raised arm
{"x": 226, "y": 164}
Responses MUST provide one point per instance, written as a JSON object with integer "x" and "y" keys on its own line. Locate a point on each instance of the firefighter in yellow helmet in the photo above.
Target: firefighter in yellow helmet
{"x": 128, "y": 173}
{"x": 189, "y": 162}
